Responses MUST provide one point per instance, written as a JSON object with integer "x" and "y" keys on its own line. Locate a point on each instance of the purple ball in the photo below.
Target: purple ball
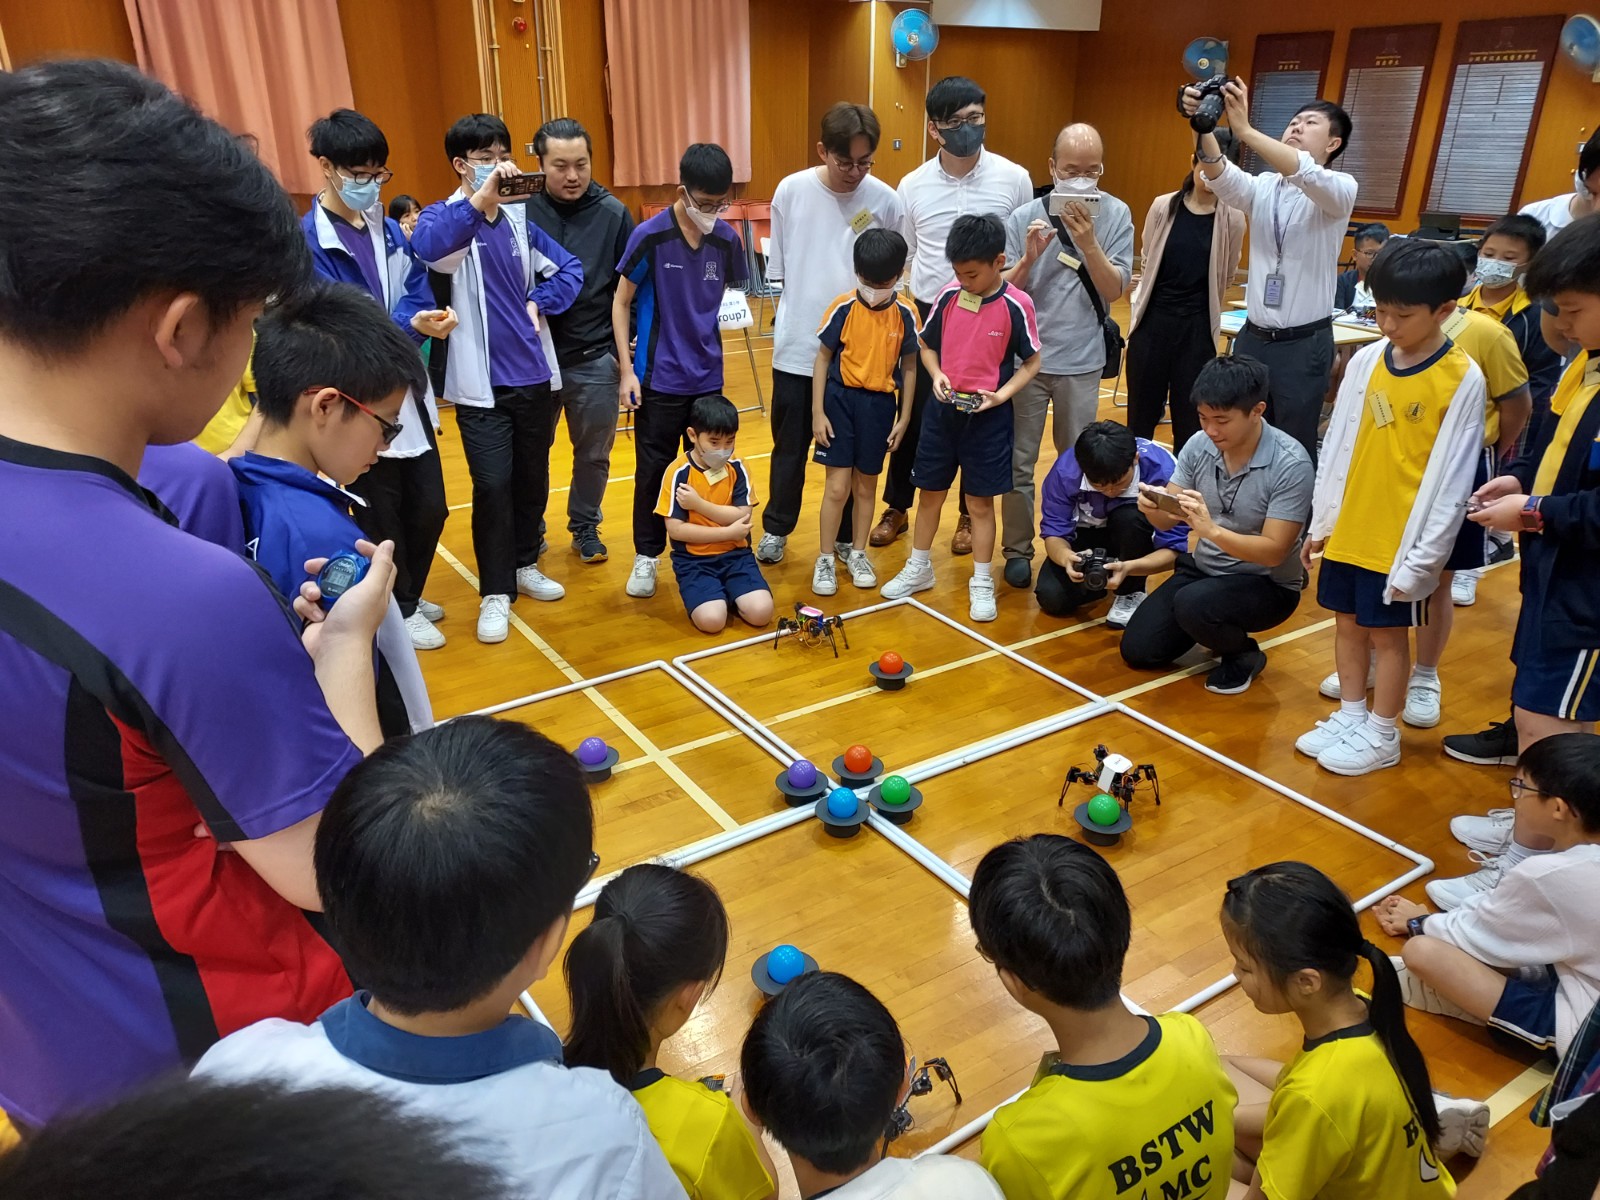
{"x": 785, "y": 963}
{"x": 842, "y": 803}
{"x": 592, "y": 751}
{"x": 802, "y": 774}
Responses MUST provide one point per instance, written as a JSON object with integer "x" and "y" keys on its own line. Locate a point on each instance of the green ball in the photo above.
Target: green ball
{"x": 1103, "y": 810}
{"x": 895, "y": 790}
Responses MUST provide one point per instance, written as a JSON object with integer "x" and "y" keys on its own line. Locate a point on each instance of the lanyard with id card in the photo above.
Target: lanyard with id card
{"x": 1272, "y": 293}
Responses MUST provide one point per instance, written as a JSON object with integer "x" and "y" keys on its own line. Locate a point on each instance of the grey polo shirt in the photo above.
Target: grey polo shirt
{"x": 1275, "y": 484}
{"x": 1068, "y": 327}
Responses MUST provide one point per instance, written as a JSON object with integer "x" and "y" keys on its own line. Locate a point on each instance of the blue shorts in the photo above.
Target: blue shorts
{"x": 707, "y": 577}
{"x": 1343, "y": 588}
{"x": 862, "y": 422}
{"x": 1555, "y": 683}
{"x": 978, "y": 443}
{"x": 1527, "y": 1009}
{"x": 1471, "y": 550}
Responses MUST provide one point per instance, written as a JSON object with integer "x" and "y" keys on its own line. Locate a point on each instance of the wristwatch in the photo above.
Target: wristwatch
{"x": 1414, "y": 926}
{"x": 1532, "y": 518}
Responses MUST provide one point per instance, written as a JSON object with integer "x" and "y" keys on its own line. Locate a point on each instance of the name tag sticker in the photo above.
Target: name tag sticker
{"x": 970, "y": 301}
{"x": 1382, "y": 410}
{"x": 861, "y": 220}
{"x": 717, "y": 476}
{"x": 1273, "y": 297}
{"x": 1067, "y": 261}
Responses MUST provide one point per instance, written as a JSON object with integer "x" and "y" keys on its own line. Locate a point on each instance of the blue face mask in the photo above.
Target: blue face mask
{"x": 359, "y": 196}
{"x": 481, "y": 173}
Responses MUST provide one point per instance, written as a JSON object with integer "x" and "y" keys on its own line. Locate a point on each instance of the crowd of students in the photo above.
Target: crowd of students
{"x": 205, "y": 858}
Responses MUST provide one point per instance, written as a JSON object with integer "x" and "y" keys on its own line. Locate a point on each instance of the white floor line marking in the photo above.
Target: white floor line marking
{"x": 1519, "y": 1091}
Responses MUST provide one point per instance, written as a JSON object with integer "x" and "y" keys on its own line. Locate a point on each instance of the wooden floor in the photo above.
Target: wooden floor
{"x": 862, "y": 906}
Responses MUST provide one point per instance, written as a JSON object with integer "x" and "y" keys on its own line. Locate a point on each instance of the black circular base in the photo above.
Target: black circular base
{"x": 770, "y": 986}
{"x": 852, "y": 780}
{"x": 794, "y": 796}
{"x": 897, "y": 814}
{"x": 1102, "y": 835}
{"x": 888, "y": 682}
{"x": 601, "y": 771}
{"x": 841, "y": 827}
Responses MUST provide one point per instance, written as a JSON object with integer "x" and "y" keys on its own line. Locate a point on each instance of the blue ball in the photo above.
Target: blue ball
{"x": 842, "y": 803}
{"x": 785, "y": 963}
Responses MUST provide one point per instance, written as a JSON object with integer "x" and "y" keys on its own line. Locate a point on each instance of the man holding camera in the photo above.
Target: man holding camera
{"x": 1073, "y": 254}
{"x": 1299, "y": 209}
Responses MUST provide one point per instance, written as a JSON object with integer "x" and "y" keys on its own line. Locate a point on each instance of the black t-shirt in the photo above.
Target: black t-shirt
{"x": 1182, "y": 287}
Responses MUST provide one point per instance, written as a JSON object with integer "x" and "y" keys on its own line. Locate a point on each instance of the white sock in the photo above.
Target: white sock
{"x": 1516, "y": 852}
{"x": 1422, "y": 674}
{"x": 919, "y": 558}
{"x": 1356, "y": 709}
{"x": 1384, "y": 727}
{"x": 980, "y": 570}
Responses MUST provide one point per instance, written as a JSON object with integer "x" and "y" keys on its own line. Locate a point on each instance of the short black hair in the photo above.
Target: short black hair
{"x": 1567, "y": 765}
{"x": 348, "y": 139}
{"x": 1527, "y": 230}
{"x": 706, "y": 168}
{"x": 1053, "y": 913}
{"x": 562, "y": 129}
{"x": 113, "y": 189}
{"x": 1417, "y": 271}
{"x": 976, "y": 237}
{"x": 823, "y": 1067}
{"x": 1338, "y": 121}
{"x": 1372, "y": 231}
{"x": 1569, "y": 261}
{"x": 403, "y": 205}
{"x": 192, "y": 1139}
{"x": 1106, "y": 450}
{"x": 713, "y": 414}
{"x": 442, "y": 857}
{"x": 330, "y": 335}
{"x": 844, "y": 123}
{"x": 950, "y": 95}
{"x": 880, "y": 255}
{"x": 1231, "y": 381}
{"x": 478, "y": 131}
{"x": 1589, "y": 155}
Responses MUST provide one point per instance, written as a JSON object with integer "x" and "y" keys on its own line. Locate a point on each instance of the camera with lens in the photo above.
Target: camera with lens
{"x": 1092, "y": 565}
{"x": 1205, "y": 118}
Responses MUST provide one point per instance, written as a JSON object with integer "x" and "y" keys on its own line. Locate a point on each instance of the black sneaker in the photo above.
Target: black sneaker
{"x": 1019, "y": 572}
{"x": 1496, "y": 746}
{"x": 1502, "y": 552}
{"x": 1234, "y": 675}
{"x": 589, "y": 546}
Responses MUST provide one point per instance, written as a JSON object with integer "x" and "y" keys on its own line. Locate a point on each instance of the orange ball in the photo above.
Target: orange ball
{"x": 858, "y": 760}
{"x": 890, "y": 663}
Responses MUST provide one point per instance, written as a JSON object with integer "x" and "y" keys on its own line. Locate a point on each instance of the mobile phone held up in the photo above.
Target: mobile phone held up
{"x": 1162, "y": 499}
{"x": 1059, "y": 200}
{"x": 518, "y": 188}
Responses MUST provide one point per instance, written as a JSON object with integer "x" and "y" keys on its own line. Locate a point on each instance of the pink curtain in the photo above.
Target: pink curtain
{"x": 679, "y": 72}
{"x": 266, "y": 68}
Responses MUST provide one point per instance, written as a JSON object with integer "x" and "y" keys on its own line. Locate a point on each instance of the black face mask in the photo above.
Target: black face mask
{"x": 963, "y": 141}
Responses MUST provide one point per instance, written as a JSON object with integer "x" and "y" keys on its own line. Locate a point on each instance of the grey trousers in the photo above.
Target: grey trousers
{"x": 1076, "y": 400}
{"x": 588, "y": 398}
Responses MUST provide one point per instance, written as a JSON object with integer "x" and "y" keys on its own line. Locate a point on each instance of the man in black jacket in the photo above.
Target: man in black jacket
{"x": 592, "y": 225}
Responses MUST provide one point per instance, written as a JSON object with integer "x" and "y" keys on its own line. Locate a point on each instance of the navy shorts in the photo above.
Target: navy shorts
{"x": 1527, "y": 1008}
{"x": 1343, "y": 588}
{"x": 977, "y": 443}
{"x": 862, "y": 422}
{"x": 1555, "y": 683}
{"x": 707, "y": 577}
{"x": 1471, "y": 550}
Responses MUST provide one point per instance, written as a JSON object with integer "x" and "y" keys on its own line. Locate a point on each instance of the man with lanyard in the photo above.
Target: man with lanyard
{"x": 1299, "y": 209}
{"x": 1056, "y": 258}
{"x": 962, "y": 179}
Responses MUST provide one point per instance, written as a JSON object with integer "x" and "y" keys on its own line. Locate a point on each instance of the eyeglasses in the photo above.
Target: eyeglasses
{"x": 707, "y": 206}
{"x": 391, "y": 429}
{"x": 1521, "y": 788}
{"x": 1092, "y": 173}
{"x": 594, "y": 865}
{"x": 383, "y": 175}
{"x": 958, "y": 122}
{"x": 852, "y": 166}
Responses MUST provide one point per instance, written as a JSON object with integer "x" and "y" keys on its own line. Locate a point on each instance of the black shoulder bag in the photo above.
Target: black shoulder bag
{"x": 1108, "y": 327}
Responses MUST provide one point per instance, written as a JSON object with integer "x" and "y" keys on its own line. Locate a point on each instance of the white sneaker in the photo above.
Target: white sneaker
{"x": 494, "y": 618}
{"x": 642, "y": 580}
{"x": 1422, "y": 703}
{"x": 860, "y": 568}
{"x": 1491, "y": 834}
{"x": 430, "y": 610}
{"x": 1362, "y": 751}
{"x": 980, "y": 598}
{"x": 533, "y": 582}
{"x": 1464, "y": 589}
{"x": 841, "y": 551}
{"x": 823, "y": 580}
{"x": 1463, "y": 1125}
{"x": 770, "y": 548}
{"x": 1453, "y": 893}
{"x": 1329, "y": 687}
{"x": 1327, "y": 733}
{"x": 1424, "y": 998}
{"x": 1123, "y": 608}
{"x": 423, "y": 635}
{"x": 911, "y": 579}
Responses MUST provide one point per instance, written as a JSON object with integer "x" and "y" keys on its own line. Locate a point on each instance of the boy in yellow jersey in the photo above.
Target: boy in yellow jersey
{"x": 1392, "y": 485}
{"x": 1128, "y": 1104}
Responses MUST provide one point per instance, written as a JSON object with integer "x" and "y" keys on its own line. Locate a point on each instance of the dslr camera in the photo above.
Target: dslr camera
{"x": 1092, "y": 566}
{"x": 1205, "y": 117}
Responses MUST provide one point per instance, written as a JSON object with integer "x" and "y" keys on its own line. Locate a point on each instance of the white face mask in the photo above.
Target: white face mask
{"x": 714, "y": 459}
{"x": 874, "y": 296}
{"x": 1077, "y": 185}
{"x": 703, "y": 221}
{"x": 1494, "y": 272}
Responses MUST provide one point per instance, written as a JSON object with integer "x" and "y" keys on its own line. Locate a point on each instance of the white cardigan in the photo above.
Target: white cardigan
{"x": 1441, "y": 503}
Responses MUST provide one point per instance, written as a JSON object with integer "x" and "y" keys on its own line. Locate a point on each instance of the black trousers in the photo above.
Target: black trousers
{"x": 1165, "y": 353}
{"x": 1297, "y": 381}
{"x": 1127, "y": 534}
{"x": 658, "y": 438}
{"x": 508, "y": 456}
{"x": 898, "y": 491}
{"x": 1220, "y": 612}
{"x": 791, "y": 426}
{"x": 405, "y": 504}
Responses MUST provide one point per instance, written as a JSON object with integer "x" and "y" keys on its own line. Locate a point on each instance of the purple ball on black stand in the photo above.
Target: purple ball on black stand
{"x": 800, "y": 783}
{"x": 596, "y": 758}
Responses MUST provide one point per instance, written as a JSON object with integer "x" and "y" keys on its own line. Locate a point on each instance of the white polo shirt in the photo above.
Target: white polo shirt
{"x": 814, "y": 231}
{"x": 1307, "y": 213}
{"x": 1555, "y": 213}
{"x": 934, "y": 198}
{"x": 931, "y": 1177}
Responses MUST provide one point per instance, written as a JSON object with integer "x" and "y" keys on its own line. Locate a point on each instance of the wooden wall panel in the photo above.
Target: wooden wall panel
{"x": 840, "y": 68}
{"x": 897, "y": 98}
{"x": 781, "y": 132}
{"x": 36, "y": 29}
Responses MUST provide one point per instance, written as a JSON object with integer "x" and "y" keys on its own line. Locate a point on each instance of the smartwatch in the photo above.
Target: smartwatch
{"x": 1532, "y": 518}
{"x": 1414, "y": 926}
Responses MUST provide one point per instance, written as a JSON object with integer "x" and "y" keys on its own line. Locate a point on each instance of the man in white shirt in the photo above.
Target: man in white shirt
{"x": 1299, "y": 209}
{"x": 962, "y": 179}
{"x": 1557, "y": 212}
{"x": 817, "y": 214}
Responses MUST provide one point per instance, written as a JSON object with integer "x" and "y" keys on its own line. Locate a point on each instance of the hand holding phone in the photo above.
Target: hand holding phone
{"x": 1162, "y": 499}
{"x": 517, "y": 188}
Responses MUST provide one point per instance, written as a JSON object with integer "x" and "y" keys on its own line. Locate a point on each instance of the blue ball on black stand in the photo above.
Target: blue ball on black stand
{"x": 779, "y": 967}
{"x": 841, "y": 812}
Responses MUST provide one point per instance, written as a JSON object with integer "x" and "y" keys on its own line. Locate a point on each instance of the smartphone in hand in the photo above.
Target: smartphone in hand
{"x": 518, "y": 188}
{"x": 1162, "y": 499}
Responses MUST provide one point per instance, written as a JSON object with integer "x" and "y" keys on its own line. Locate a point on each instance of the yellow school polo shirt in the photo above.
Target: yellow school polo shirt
{"x": 223, "y": 428}
{"x": 1389, "y": 460}
{"x": 1340, "y": 1127}
{"x": 1516, "y": 300}
{"x": 729, "y": 486}
{"x": 1493, "y": 347}
{"x": 1158, "y": 1122}
{"x": 708, "y": 1146}
{"x": 1573, "y": 396}
{"x": 868, "y": 343}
